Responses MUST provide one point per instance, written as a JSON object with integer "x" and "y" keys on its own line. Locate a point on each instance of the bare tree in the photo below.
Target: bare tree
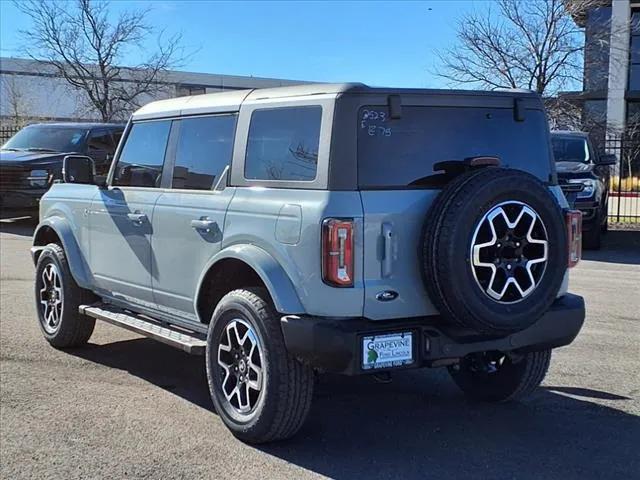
{"x": 533, "y": 44}
{"x": 564, "y": 114}
{"x": 630, "y": 151}
{"x": 16, "y": 101}
{"x": 86, "y": 44}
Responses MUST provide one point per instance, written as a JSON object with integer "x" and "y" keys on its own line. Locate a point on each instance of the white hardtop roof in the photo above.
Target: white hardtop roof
{"x": 206, "y": 103}
{"x": 231, "y": 101}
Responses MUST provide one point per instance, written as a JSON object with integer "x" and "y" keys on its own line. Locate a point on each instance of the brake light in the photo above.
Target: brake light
{"x": 573, "y": 220}
{"x": 337, "y": 252}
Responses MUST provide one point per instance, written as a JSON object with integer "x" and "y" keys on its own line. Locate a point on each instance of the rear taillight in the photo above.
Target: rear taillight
{"x": 573, "y": 220}
{"x": 337, "y": 252}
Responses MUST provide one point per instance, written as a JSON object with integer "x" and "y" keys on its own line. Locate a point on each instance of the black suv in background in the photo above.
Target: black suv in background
{"x": 584, "y": 176}
{"x": 32, "y": 159}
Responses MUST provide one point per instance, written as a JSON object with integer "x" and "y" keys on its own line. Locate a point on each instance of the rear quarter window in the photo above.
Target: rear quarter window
{"x": 395, "y": 153}
{"x": 283, "y": 144}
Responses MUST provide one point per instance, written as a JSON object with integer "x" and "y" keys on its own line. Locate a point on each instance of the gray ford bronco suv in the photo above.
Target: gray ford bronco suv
{"x": 320, "y": 228}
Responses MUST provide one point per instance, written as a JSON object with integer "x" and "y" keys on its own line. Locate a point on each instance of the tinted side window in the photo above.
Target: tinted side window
{"x": 204, "y": 149}
{"x": 283, "y": 144}
{"x": 117, "y": 135}
{"x": 141, "y": 160}
{"x": 101, "y": 141}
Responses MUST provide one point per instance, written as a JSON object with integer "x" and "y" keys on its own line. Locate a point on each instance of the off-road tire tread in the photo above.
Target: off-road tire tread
{"x": 431, "y": 235}
{"x": 537, "y": 367}
{"x": 592, "y": 239}
{"x": 296, "y": 380}
{"x": 75, "y": 329}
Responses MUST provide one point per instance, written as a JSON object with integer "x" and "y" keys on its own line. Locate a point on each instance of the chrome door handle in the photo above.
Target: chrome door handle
{"x": 203, "y": 224}
{"x": 137, "y": 217}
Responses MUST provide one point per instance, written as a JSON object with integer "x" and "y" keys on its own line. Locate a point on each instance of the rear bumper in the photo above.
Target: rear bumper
{"x": 335, "y": 345}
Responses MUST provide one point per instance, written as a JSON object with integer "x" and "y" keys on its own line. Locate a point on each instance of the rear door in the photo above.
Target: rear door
{"x": 398, "y": 183}
{"x": 121, "y": 216}
{"x": 188, "y": 219}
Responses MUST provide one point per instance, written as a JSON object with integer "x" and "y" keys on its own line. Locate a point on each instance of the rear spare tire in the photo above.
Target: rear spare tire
{"x": 494, "y": 250}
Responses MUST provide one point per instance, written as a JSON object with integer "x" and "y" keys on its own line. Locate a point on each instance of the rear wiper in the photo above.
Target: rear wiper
{"x": 11, "y": 149}
{"x": 38, "y": 149}
{"x": 459, "y": 166}
{"x": 447, "y": 169}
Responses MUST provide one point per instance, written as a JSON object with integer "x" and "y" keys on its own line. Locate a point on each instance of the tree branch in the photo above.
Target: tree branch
{"x": 87, "y": 49}
{"x": 533, "y": 44}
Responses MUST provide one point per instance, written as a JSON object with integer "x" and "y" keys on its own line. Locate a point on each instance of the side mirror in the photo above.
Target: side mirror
{"x": 78, "y": 169}
{"x": 607, "y": 159}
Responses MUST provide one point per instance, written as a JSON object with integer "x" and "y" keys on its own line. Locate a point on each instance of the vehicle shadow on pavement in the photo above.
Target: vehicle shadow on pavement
{"x": 619, "y": 246}
{"x": 420, "y": 425}
{"x": 24, "y": 226}
{"x": 170, "y": 369}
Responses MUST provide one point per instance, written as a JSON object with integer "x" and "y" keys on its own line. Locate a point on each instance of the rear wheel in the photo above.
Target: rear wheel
{"x": 58, "y": 297}
{"x": 496, "y": 377}
{"x": 259, "y": 390}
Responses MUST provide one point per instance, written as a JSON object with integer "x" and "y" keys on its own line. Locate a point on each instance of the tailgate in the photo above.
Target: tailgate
{"x": 393, "y": 222}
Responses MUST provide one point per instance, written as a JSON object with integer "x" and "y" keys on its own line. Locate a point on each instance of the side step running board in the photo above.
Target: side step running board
{"x": 192, "y": 343}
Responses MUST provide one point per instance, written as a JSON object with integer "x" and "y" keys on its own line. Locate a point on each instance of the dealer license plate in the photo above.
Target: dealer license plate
{"x": 388, "y": 350}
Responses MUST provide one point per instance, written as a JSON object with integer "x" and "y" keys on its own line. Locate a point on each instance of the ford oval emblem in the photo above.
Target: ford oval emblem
{"x": 387, "y": 296}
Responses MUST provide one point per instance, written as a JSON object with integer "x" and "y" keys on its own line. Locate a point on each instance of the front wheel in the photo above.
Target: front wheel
{"x": 592, "y": 239}
{"x": 496, "y": 377}
{"x": 58, "y": 297}
{"x": 259, "y": 390}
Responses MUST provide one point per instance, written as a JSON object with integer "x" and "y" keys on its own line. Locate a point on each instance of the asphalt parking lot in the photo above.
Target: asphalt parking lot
{"x": 125, "y": 406}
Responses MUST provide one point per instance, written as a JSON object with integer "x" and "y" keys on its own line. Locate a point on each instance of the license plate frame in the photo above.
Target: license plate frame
{"x": 387, "y": 350}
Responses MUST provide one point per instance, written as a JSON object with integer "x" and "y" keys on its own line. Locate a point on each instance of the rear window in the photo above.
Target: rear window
{"x": 401, "y": 153}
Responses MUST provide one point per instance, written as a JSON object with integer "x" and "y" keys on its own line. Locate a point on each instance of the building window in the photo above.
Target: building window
{"x": 635, "y": 22}
{"x": 188, "y": 90}
{"x": 594, "y": 121}
{"x": 633, "y": 118}
{"x": 634, "y": 52}
{"x": 596, "y": 49}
